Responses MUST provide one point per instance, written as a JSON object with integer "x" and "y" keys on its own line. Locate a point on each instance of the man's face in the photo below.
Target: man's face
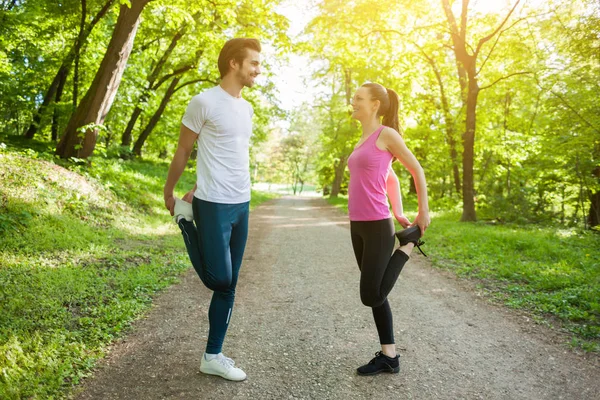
{"x": 250, "y": 68}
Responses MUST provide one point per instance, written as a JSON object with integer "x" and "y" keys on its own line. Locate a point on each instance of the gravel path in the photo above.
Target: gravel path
{"x": 299, "y": 330}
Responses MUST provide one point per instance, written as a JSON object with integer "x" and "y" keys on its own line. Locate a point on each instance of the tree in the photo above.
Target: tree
{"x": 54, "y": 92}
{"x": 97, "y": 102}
{"x": 171, "y": 90}
{"x": 331, "y": 36}
{"x": 468, "y": 78}
{"x": 153, "y": 81}
{"x": 194, "y": 38}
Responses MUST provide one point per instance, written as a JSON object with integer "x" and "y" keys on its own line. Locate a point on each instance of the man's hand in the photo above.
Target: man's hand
{"x": 402, "y": 220}
{"x": 170, "y": 202}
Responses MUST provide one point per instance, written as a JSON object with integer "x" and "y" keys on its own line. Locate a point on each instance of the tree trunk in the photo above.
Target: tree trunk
{"x": 178, "y": 76}
{"x": 455, "y": 170}
{"x": 295, "y": 184}
{"x": 64, "y": 69}
{"x": 80, "y": 40}
{"x": 449, "y": 121}
{"x": 97, "y": 101}
{"x": 336, "y": 186}
{"x": 467, "y": 75}
{"x": 469, "y": 152}
{"x": 127, "y": 136}
{"x": 139, "y": 144}
{"x": 594, "y": 214}
{"x": 56, "y": 114}
{"x": 463, "y": 59}
{"x": 507, "y": 101}
{"x": 50, "y": 94}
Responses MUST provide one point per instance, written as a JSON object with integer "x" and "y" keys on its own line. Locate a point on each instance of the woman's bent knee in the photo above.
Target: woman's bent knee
{"x": 371, "y": 300}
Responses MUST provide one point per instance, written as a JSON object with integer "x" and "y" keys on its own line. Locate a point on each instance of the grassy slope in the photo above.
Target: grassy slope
{"x": 550, "y": 272}
{"x": 81, "y": 255}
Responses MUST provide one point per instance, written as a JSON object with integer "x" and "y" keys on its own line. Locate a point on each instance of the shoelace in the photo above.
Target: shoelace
{"x": 418, "y": 245}
{"x": 377, "y": 355}
{"x": 229, "y": 360}
{"x": 225, "y": 361}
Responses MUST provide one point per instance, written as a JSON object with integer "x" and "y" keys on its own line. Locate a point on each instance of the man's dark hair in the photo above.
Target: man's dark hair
{"x": 235, "y": 49}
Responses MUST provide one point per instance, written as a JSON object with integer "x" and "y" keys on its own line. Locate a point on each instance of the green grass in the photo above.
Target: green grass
{"x": 552, "y": 273}
{"x": 82, "y": 253}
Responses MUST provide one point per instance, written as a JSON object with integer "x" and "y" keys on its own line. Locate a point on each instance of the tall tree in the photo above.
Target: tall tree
{"x": 152, "y": 83}
{"x": 54, "y": 92}
{"x": 449, "y": 122}
{"x": 469, "y": 82}
{"x": 97, "y": 101}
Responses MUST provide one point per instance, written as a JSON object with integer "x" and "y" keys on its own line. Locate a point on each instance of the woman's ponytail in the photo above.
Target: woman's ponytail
{"x": 388, "y": 104}
{"x": 390, "y": 117}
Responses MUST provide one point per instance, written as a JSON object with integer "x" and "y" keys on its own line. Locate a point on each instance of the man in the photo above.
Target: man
{"x": 220, "y": 120}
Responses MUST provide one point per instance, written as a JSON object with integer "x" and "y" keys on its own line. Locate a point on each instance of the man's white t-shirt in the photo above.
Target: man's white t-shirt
{"x": 224, "y": 126}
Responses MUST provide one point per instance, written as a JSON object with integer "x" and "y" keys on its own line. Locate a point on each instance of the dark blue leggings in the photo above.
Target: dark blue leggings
{"x": 216, "y": 246}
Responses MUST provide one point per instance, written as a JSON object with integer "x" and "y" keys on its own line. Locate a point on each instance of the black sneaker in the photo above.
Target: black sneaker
{"x": 381, "y": 363}
{"x": 411, "y": 235}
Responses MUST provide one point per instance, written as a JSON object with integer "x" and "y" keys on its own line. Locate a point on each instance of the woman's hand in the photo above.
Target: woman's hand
{"x": 402, "y": 220}
{"x": 422, "y": 221}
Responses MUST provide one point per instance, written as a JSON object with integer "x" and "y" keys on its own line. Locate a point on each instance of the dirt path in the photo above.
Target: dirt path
{"x": 299, "y": 330}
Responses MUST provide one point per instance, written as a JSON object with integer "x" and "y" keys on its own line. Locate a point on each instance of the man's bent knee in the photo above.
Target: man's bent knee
{"x": 220, "y": 284}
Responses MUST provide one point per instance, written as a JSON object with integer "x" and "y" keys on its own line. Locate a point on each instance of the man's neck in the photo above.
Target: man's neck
{"x": 232, "y": 86}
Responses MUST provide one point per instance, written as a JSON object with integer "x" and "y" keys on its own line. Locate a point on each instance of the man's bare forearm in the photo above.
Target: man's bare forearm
{"x": 176, "y": 170}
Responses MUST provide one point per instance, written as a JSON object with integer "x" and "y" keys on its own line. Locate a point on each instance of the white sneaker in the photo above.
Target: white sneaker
{"x": 184, "y": 209}
{"x": 222, "y": 366}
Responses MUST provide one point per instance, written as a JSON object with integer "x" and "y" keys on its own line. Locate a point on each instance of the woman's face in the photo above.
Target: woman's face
{"x": 363, "y": 105}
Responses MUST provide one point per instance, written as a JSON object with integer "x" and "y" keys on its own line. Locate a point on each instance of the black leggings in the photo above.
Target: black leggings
{"x": 373, "y": 243}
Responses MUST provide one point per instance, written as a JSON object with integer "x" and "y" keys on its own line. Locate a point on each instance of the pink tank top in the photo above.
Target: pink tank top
{"x": 369, "y": 168}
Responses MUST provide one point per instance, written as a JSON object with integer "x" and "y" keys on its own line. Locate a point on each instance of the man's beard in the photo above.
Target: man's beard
{"x": 249, "y": 82}
{"x": 246, "y": 80}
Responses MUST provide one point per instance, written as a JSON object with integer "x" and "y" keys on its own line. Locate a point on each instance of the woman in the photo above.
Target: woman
{"x": 371, "y": 224}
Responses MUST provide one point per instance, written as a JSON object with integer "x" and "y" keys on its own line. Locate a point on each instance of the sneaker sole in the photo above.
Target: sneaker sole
{"x": 387, "y": 371}
{"x": 405, "y": 236}
{"x": 221, "y": 376}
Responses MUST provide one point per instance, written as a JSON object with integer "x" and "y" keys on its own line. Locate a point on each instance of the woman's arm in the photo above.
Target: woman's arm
{"x": 393, "y": 192}
{"x": 394, "y": 143}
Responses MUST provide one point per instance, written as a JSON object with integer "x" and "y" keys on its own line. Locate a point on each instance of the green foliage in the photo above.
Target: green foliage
{"x": 175, "y": 39}
{"x": 536, "y": 142}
